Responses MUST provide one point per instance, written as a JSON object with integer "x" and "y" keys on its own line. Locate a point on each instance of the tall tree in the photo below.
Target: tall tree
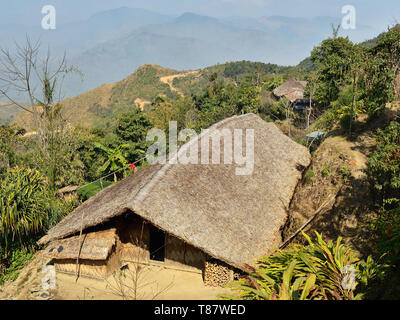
{"x": 333, "y": 59}
{"x": 25, "y": 74}
{"x": 357, "y": 71}
{"x": 388, "y": 48}
{"x": 382, "y": 81}
{"x": 131, "y": 129}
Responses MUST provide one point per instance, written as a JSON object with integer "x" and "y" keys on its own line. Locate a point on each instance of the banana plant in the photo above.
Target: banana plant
{"x": 115, "y": 158}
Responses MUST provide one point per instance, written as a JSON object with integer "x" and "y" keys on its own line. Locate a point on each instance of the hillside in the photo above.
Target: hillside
{"x": 230, "y": 72}
{"x": 337, "y": 223}
{"x": 96, "y": 107}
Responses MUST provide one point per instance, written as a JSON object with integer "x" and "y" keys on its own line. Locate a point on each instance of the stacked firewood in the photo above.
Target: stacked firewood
{"x": 217, "y": 273}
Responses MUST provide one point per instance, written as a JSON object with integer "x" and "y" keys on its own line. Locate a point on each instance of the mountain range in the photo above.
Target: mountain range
{"x": 111, "y": 44}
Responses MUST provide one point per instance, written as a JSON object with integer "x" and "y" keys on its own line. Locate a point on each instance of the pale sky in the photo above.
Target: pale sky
{"x": 373, "y": 15}
{"x": 370, "y": 12}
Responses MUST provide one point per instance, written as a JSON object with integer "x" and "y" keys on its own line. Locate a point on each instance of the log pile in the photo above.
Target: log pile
{"x": 217, "y": 273}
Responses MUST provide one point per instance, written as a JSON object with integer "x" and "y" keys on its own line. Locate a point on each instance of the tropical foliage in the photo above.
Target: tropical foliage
{"x": 23, "y": 205}
{"x": 115, "y": 159}
{"x": 319, "y": 271}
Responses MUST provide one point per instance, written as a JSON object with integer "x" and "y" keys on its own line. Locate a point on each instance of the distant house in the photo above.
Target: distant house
{"x": 68, "y": 193}
{"x": 292, "y": 89}
{"x": 200, "y": 218}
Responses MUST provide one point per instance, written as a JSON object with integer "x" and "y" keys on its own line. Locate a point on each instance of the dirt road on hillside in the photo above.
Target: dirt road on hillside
{"x": 170, "y": 79}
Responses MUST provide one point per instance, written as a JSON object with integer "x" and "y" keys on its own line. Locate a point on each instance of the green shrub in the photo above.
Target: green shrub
{"x": 58, "y": 209}
{"x": 27, "y": 211}
{"x": 387, "y": 226}
{"x": 346, "y": 174}
{"x": 325, "y": 122}
{"x": 19, "y": 259}
{"x": 23, "y": 205}
{"x": 344, "y": 115}
{"x": 384, "y": 163}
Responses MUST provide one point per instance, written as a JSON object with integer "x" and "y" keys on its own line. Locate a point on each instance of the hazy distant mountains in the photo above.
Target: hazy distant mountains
{"x": 112, "y": 44}
{"x": 80, "y": 36}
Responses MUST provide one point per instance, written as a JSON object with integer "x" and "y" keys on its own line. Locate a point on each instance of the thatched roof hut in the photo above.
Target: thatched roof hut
{"x": 68, "y": 189}
{"x": 68, "y": 192}
{"x": 292, "y": 89}
{"x": 235, "y": 219}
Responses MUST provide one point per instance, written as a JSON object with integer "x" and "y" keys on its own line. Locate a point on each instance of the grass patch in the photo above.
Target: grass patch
{"x": 19, "y": 259}
{"x": 326, "y": 171}
{"x": 309, "y": 176}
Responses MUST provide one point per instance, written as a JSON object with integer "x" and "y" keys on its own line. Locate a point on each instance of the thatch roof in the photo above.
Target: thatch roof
{"x": 68, "y": 189}
{"x": 232, "y": 218}
{"x": 289, "y": 87}
{"x": 90, "y": 246}
{"x": 295, "y": 95}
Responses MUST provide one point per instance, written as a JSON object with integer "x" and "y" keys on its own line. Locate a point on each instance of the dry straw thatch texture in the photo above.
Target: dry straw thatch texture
{"x": 91, "y": 246}
{"x": 235, "y": 219}
{"x": 289, "y": 87}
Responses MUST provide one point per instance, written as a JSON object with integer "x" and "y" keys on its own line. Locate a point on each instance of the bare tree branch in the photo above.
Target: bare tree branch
{"x": 24, "y": 72}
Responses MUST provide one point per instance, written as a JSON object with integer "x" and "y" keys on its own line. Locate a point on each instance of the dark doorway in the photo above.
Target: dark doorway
{"x": 157, "y": 244}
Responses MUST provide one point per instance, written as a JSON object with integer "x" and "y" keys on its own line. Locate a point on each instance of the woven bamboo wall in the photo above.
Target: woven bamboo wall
{"x": 182, "y": 255}
{"x": 133, "y": 238}
{"x": 134, "y": 235}
{"x": 99, "y": 269}
{"x": 88, "y": 268}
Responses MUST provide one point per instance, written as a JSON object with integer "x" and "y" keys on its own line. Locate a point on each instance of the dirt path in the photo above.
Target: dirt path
{"x": 170, "y": 79}
{"x": 141, "y": 103}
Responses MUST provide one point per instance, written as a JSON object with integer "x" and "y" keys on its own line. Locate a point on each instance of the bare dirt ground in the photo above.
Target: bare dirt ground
{"x": 338, "y": 170}
{"x": 170, "y": 79}
{"x": 155, "y": 282}
{"x": 159, "y": 284}
{"x": 141, "y": 103}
